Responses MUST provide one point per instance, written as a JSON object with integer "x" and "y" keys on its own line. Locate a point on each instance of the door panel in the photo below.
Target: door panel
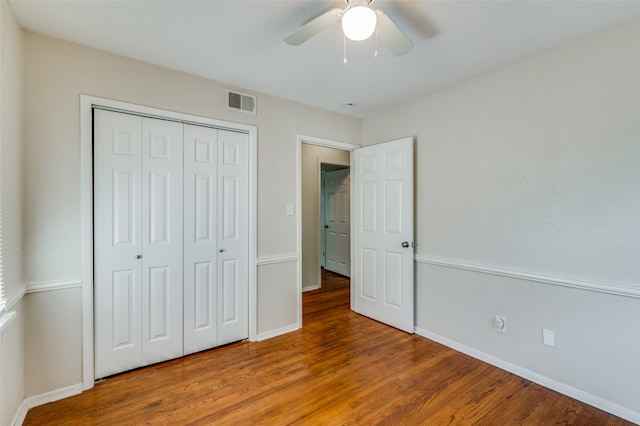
{"x": 117, "y": 242}
{"x": 202, "y": 309}
{"x": 383, "y": 221}
{"x": 158, "y": 303}
{"x": 368, "y": 288}
{"x": 200, "y": 238}
{"x": 230, "y": 291}
{"x": 392, "y": 276}
{"x": 229, "y": 208}
{"x": 123, "y": 210}
{"x": 337, "y": 232}
{"x": 162, "y": 302}
{"x": 123, "y": 303}
{"x": 233, "y": 279}
{"x": 203, "y": 206}
{"x": 159, "y": 215}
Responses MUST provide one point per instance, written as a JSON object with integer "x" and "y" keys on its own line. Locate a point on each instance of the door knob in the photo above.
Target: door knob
{"x": 405, "y": 244}
{"x": 221, "y": 250}
{"x": 138, "y": 256}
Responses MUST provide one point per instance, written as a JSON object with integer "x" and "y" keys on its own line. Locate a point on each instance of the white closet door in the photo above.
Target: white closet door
{"x": 117, "y": 242}
{"x": 200, "y": 238}
{"x": 170, "y": 239}
{"x": 162, "y": 152}
{"x": 137, "y": 241}
{"x": 233, "y": 219}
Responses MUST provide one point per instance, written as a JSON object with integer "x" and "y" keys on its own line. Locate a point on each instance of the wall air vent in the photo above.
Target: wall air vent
{"x": 241, "y": 102}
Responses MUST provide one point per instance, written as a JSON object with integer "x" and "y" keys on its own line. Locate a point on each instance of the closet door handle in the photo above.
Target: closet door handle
{"x": 222, "y": 250}
{"x": 138, "y": 256}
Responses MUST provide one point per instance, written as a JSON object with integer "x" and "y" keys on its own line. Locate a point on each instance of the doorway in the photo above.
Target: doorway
{"x": 382, "y": 172}
{"x": 316, "y": 163}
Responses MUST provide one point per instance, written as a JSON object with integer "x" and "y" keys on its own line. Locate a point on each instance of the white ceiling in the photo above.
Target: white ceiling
{"x": 240, "y": 42}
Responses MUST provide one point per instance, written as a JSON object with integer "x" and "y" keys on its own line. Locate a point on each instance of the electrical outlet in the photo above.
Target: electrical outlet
{"x": 500, "y": 324}
{"x": 291, "y": 209}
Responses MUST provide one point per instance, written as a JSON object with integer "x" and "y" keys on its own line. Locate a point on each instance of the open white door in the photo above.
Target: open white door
{"x": 383, "y": 233}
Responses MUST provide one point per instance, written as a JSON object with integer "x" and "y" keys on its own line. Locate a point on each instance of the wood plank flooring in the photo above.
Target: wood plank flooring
{"x": 339, "y": 369}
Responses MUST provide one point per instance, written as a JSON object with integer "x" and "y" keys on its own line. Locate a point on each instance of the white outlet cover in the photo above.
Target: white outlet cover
{"x": 549, "y": 337}
{"x": 291, "y": 209}
{"x": 501, "y": 324}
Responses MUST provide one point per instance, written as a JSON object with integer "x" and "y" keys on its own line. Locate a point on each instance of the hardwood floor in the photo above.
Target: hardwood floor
{"x": 340, "y": 368}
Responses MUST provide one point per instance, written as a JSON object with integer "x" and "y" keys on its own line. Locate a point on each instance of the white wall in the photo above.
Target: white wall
{"x": 11, "y": 168}
{"x": 56, "y": 73}
{"x": 527, "y": 179}
{"x": 310, "y": 157}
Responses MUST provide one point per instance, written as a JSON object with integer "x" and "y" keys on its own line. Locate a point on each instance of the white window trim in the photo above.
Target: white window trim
{"x": 5, "y": 317}
{"x": 3, "y": 297}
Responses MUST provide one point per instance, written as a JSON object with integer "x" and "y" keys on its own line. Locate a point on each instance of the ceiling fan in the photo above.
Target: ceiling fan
{"x": 359, "y": 22}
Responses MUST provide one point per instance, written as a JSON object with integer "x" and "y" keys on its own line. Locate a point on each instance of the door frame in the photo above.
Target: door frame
{"x": 86, "y": 206}
{"x": 328, "y": 143}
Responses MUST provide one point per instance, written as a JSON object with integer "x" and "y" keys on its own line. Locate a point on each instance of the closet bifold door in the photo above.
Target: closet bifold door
{"x": 117, "y": 192}
{"x": 162, "y": 288}
{"x": 233, "y": 236}
{"x": 170, "y": 239}
{"x": 216, "y": 237}
{"x": 200, "y": 238}
{"x": 137, "y": 241}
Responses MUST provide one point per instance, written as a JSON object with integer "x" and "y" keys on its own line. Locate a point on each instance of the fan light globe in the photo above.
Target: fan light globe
{"x": 358, "y": 23}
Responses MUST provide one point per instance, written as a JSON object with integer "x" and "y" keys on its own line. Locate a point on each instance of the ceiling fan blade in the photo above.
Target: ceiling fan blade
{"x": 313, "y": 27}
{"x": 392, "y": 36}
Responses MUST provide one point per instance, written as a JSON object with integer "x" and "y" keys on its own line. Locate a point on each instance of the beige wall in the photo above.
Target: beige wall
{"x": 12, "y": 390}
{"x": 532, "y": 171}
{"x": 531, "y": 167}
{"x": 12, "y": 152}
{"x": 310, "y": 157}
{"x": 56, "y": 73}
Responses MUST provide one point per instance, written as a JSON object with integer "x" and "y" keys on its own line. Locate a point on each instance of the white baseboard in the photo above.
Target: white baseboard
{"x": 54, "y": 395}
{"x": 311, "y": 287}
{"x": 37, "y": 400}
{"x": 580, "y": 395}
{"x": 21, "y": 414}
{"x": 277, "y": 332}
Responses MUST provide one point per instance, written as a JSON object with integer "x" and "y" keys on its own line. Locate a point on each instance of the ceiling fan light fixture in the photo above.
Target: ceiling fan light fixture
{"x": 358, "y": 23}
